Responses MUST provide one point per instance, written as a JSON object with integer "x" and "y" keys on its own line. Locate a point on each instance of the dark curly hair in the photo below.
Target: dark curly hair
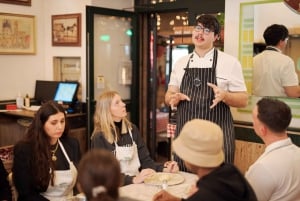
{"x": 209, "y": 21}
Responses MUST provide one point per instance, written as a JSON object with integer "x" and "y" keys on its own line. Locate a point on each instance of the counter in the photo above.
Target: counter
{"x": 13, "y": 125}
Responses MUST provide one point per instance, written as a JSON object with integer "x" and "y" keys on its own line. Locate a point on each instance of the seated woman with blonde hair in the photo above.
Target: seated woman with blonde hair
{"x": 114, "y": 132}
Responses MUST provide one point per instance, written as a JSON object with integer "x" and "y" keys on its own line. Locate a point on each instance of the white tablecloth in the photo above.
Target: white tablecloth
{"x": 145, "y": 192}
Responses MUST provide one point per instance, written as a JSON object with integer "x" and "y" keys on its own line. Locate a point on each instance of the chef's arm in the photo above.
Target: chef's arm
{"x": 236, "y": 99}
{"x": 171, "y": 91}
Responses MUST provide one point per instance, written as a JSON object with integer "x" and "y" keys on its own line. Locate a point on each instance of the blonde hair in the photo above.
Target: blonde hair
{"x": 103, "y": 120}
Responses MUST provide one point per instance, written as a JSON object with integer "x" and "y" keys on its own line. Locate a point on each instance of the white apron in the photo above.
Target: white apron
{"x": 128, "y": 158}
{"x": 64, "y": 181}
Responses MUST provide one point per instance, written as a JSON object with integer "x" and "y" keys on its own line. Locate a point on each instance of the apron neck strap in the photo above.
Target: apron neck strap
{"x": 215, "y": 59}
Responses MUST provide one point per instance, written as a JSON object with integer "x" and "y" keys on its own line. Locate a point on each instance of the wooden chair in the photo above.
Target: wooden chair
{"x": 6, "y": 155}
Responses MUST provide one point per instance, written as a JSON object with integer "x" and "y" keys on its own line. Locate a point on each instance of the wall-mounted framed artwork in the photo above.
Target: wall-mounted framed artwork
{"x": 66, "y": 30}
{"x": 18, "y": 2}
{"x": 17, "y": 35}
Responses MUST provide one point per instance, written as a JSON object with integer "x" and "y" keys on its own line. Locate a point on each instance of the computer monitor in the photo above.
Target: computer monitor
{"x": 45, "y": 90}
{"x": 66, "y": 92}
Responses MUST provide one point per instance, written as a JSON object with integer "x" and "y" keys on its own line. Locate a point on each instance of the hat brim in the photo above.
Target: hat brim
{"x": 197, "y": 158}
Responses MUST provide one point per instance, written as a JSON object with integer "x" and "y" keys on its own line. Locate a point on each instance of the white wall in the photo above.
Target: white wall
{"x": 284, "y": 16}
{"x": 231, "y": 32}
{"x": 19, "y": 72}
{"x": 58, "y": 7}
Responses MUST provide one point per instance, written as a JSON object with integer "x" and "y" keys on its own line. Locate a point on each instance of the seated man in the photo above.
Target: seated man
{"x": 276, "y": 173}
{"x": 200, "y": 146}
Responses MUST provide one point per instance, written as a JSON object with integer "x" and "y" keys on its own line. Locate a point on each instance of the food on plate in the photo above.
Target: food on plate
{"x": 159, "y": 178}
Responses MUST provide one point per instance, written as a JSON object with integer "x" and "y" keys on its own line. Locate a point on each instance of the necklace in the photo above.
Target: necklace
{"x": 53, "y": 157}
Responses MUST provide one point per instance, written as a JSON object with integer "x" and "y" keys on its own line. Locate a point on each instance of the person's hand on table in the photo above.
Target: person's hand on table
{"x": 142, "y": 176}
{"x": 176, "y": 98}
{"x": 220, "y": 94}
{"x": 171, "y": 166}
{"x": 165, "y": 196}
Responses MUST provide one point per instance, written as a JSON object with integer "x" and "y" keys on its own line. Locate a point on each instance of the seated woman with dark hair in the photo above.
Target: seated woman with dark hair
{"x": 44, "y": 161}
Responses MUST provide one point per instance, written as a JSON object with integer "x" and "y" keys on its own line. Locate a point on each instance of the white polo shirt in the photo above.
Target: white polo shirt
{"x": 275, "y": 176}
{"x": 272, "y": 71}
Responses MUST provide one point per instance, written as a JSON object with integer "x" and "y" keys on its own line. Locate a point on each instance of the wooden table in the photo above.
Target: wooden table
{"x": 145, "y": 192}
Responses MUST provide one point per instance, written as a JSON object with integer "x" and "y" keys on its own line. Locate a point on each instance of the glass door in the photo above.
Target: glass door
{"x": 112, "y": 58}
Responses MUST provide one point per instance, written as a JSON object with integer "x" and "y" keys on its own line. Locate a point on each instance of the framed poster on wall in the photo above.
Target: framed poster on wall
{"x": 17, "y": 2}
{"x": 66, "y": 30}
{"x": 17, "y": 34}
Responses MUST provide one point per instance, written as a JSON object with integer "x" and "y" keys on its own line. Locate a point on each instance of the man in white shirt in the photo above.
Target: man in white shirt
{"x": 275, "y": 176}
{"x": 206, "y": 83}
{"x": 274, "y": 73}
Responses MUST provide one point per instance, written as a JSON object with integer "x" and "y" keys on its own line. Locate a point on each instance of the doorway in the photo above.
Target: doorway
{"x": 111, "y": 59}
{"x": 163, "y": 51}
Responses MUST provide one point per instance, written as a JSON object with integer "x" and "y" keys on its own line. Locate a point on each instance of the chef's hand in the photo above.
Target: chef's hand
{"x": 176, "y": 98}
{"x": 220, "y": 94}
{"x": 142, "y": 175}
{"x": 171, "y": 166}
{"x": 165, "y": 196}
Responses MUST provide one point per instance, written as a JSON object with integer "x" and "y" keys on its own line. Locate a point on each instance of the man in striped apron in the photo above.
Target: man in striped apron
{"x": 205, "y": 83}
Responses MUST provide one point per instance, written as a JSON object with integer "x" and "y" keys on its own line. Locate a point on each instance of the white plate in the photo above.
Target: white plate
{"x": 158, "y": 178}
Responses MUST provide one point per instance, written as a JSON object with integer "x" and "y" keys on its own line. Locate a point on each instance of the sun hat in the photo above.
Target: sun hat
{"x": 200, "y": 143}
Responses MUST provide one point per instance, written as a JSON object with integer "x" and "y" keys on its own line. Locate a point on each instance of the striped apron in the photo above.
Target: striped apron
{"x": 194, "y": 85}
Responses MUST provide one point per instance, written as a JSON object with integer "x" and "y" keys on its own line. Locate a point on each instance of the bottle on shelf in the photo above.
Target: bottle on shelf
{"x": 27, "y": 101}
{"x": 19, "y": 101}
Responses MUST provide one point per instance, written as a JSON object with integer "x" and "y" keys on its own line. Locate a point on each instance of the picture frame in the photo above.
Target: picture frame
{"x": 17, "y": 2}
{"x": 66, "y": 30}
{"x": 17, "y": 35}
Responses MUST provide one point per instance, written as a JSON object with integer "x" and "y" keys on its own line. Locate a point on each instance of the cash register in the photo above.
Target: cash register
{"x": 63, "y": 92}
{"x": 66, "y": 94}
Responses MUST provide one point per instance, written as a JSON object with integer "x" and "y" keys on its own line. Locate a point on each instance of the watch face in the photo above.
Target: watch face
{"x": 294, "y": 5}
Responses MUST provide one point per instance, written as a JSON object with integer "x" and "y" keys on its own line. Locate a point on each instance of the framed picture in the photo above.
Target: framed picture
{"x": 18, "y": 2}
{"x": 17, "y": 34}
{"x": 66, "y": 30}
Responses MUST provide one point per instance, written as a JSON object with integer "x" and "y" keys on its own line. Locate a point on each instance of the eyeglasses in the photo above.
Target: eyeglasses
{"x": 199, "y": 28}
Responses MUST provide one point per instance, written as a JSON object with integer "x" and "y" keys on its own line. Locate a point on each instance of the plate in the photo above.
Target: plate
{"x": 158, "y": 178}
